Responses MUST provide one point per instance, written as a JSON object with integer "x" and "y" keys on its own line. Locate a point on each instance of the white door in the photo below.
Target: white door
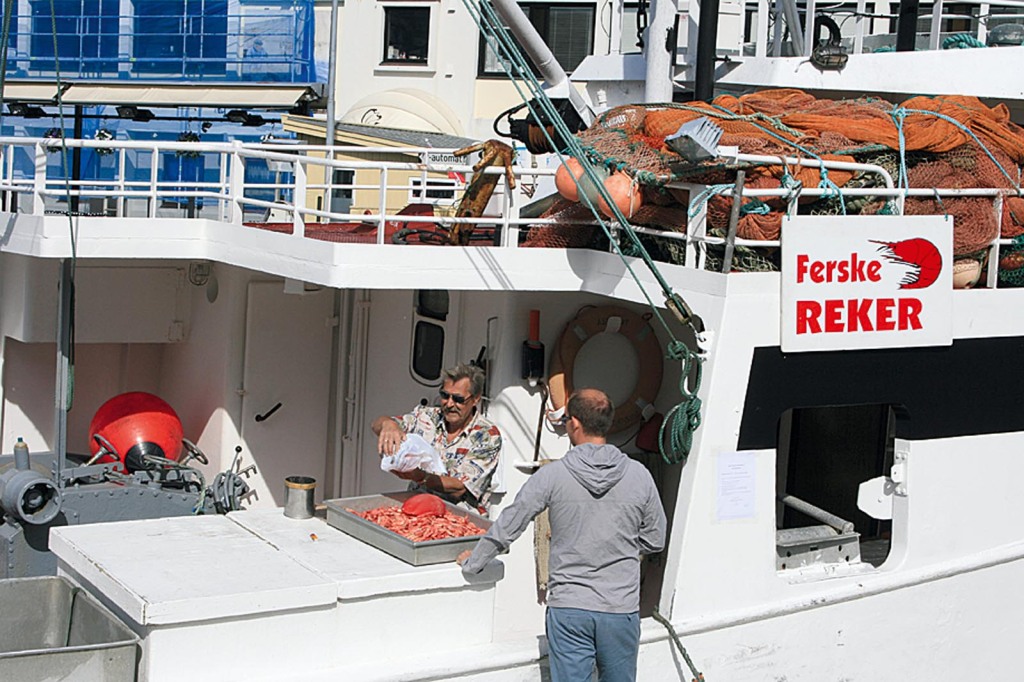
{"x": 286, "y": 387}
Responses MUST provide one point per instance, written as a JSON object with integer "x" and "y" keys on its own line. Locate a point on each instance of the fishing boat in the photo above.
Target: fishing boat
{"x": 811, "y": 403}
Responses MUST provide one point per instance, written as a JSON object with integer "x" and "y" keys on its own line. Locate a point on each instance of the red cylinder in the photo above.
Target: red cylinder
{"x": 136, "y": 424}
{"x": 534, "y": 325}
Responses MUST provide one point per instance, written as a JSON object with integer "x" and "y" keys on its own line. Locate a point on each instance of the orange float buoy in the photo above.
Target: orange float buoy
{"x": 570, "y": 178}
{"x": 136, "y": 424}
{"x": 624, "y": 193}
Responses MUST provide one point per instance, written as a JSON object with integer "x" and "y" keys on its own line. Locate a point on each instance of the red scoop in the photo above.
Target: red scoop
{"x": 424, "y": 504}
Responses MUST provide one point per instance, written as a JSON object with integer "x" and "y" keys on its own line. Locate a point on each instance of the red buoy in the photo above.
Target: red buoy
{"x": 136, "y": 424}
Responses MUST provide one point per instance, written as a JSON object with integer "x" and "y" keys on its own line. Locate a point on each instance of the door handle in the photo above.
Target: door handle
{"x": 266, "y": 415}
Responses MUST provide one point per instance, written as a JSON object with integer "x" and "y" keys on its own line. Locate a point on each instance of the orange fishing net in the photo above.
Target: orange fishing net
{"x": 938, "y": 142}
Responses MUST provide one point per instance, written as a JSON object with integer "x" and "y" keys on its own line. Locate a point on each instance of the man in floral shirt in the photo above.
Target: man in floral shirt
{"x": 467, "y": 441}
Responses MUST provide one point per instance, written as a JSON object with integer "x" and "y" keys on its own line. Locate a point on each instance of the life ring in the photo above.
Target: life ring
{"x": 596, "y": 320}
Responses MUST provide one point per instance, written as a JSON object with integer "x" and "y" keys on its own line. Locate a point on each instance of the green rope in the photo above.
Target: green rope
{"x": 682, "y": 421}
{"x": 679, "y": 645}
{"x": 542, "y": 108}
{"x": 755, "y": 207}
{"x": 961, "y": 41}
{"x": 832, "y": 189}
{"x": 698, "y": 201}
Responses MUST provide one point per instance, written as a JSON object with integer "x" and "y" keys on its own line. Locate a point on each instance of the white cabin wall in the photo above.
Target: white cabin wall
{"x": 955, "y": 506}
{"x": 108, "y": 309}
{"x": 202, "y": 375}
{"x": 718, "y": 565}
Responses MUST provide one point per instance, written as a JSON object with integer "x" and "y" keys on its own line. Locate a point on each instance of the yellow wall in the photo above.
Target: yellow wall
{"x": 368, "y": 198}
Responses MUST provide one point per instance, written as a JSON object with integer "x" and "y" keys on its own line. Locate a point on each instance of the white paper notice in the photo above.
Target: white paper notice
{"x": 735, "y": 486}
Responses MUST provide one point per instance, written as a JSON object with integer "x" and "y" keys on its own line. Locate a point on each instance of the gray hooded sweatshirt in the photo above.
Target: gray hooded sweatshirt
{"x": 604, "y": 512}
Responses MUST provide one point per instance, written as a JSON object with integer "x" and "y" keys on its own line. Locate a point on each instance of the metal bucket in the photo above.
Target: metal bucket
{"x": 298, "y": 497}
{"x": 52, "y": 630}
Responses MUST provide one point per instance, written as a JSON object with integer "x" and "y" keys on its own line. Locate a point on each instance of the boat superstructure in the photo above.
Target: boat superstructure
{"x": 840, "y": 512}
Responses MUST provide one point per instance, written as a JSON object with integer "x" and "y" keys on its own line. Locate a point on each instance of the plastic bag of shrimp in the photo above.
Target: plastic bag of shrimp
{"x": 414, "y": 453}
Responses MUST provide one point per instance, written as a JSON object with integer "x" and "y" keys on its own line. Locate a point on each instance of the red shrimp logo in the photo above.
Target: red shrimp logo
{"x": 923, "y": 260}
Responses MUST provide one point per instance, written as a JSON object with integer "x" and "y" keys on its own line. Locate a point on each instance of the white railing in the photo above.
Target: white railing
{"x": 781, "y": 28}
{"x": 133, "y": 188}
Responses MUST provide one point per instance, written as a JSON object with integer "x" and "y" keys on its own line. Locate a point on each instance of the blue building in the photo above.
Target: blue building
{"x": 209, "y": 70}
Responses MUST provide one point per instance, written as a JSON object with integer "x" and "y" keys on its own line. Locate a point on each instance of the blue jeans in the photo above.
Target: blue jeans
{"x": 578, "y": 638}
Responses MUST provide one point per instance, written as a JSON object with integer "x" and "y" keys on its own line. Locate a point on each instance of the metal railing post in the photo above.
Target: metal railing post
{"x": 383, "y": 205}
{"x": 236, "y": 185}
{"x": 935, "y": 31}
{"x": 154, "y": 165}
{"x": 39, "y": 182}
{"x": 299, "y": 199}
{"x": 122, "y": 165}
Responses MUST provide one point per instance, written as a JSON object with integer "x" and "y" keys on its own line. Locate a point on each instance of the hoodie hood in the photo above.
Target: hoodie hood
{"x": 596, "y": 467}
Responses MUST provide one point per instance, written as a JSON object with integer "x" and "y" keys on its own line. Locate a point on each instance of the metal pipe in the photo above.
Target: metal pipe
{"x": 76, "y": 158}
{"x": 62, "y": 393}
{"x": 658, "y": 86}
{"x": 734, "y": 219}
{"x": 332, "y": 70}
{"x": 707, "y": 39}
{"x": 817, "y": 513}
{"x": 906, "y": 26}
{"x": 540, "y": 54}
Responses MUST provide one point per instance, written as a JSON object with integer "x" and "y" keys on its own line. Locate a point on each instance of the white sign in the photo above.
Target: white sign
{"x": 866, "y": 282}
{"x": 443, "y": 159}
{"x": 736, "y": 486}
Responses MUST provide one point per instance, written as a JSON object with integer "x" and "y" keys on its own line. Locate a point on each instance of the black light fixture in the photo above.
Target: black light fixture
{"x": 135, "y": 113}
{"x": 245, "y": 118}
{"x": 25, "y": 110}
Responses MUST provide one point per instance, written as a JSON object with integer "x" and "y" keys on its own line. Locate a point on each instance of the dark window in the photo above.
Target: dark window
{"x": 406, "y": 35}
{"x": 341, "y": 196}
{"x": 181, "y": 37}
{"x": 428, "y": 350}
{"x": 568, "y": 29}
{"x": 437, "y": 189}
{"x": 86, "y": 36}
{"x": 825, "y": 453}
{"x": 432, "y": 303}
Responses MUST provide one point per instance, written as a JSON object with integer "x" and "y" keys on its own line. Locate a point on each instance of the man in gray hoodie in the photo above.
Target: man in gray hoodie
{"x": 605, "y": 513}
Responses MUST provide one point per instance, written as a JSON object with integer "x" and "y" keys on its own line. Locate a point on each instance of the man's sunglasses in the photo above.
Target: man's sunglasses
{"x": 458, "y": 399}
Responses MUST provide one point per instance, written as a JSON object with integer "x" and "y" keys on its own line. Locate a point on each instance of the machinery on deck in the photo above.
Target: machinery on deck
{"x": 141, "y": 477}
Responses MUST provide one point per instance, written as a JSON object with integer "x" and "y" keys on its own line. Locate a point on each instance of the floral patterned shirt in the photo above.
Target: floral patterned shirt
{"x": 472, "y": 457}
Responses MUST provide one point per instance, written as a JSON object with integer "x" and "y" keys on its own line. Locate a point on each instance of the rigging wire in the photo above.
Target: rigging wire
{"x": 542, "y": 108}
{"x": 72, "y": 230}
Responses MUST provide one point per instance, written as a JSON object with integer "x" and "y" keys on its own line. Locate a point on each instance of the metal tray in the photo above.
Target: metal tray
{"x": 415, "y": 553}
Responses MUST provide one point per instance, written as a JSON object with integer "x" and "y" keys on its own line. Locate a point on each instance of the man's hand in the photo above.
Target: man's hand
{"x": 416, "y": 475}
{"x": 390, "y": 438}
{"x": 461, "y": 559}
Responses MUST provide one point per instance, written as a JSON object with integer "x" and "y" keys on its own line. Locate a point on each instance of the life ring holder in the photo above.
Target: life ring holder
{"x": 591, "y": 321}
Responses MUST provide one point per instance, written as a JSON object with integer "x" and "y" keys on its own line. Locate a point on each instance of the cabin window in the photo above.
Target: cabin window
{"x": 431, "y": 309}
{"x": 433, "y": 191}
{"x": 566, "y": 28}
{"x": 406, "y": 35}
{"x": 824, "y": 454}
